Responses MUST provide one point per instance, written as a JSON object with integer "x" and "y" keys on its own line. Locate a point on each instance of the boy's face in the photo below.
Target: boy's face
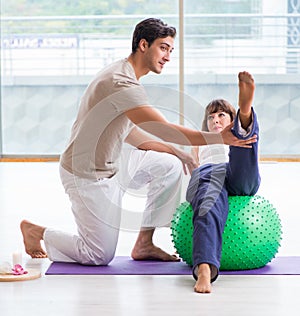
{"x": 158, "y": 53}
{"x": 217, "y": 121}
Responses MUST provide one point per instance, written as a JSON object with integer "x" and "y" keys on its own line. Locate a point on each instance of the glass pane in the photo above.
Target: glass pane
{"x": 49, "y": 57}
{"x": 260, "y": 36}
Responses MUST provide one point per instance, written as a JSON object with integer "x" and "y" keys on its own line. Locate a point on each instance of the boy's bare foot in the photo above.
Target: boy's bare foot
{"x": 246, "y": 95}
{"x": 203, "y": 283}
{"x": 32, "y": 236}
{"x": 144, "y": 249}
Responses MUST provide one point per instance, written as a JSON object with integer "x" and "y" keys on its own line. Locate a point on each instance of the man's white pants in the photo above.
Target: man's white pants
{"x": 97, "y": 206}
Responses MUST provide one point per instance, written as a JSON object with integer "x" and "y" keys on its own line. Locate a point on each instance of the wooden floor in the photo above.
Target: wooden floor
{"x": 33, "y": 191}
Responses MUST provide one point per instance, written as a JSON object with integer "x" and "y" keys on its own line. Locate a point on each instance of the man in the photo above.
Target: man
{"x": 114, "y": 110}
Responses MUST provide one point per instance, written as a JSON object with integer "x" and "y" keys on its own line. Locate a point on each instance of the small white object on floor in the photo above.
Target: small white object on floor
{"x": 17, "y": 258}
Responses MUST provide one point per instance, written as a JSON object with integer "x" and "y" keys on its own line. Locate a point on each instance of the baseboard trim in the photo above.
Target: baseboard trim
{"x": 56, "y": 159}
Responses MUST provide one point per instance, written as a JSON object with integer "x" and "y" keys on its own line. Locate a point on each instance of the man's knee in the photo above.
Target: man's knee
{"x": 99, "y": 256}
{"x": 104, "y": 258}
{"x": 171, "y": 163}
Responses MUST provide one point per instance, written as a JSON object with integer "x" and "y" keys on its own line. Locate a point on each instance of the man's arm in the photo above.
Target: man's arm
{"x": 153, "y": 122}
{"x": 144, "y": 141}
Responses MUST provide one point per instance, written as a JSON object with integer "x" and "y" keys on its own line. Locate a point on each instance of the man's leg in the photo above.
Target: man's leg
{"x": 96, "y": 208}
{"x": 162, "y": 173}
{"x": 32, "y": 236}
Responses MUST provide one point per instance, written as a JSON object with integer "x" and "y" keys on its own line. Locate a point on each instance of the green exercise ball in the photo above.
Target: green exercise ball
{"x": 251, "y": 236}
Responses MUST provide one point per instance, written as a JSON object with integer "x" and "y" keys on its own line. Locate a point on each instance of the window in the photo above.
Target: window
{"x": 51, "y": 49}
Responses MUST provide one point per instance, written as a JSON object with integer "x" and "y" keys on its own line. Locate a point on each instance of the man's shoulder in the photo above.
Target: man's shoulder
{"x": 118, "y": 72}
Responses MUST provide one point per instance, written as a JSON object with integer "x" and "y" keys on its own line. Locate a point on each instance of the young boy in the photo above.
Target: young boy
{"x": 224, "y": 170}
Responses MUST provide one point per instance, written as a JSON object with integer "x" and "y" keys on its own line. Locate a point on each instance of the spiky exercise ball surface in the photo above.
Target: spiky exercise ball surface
{"x": 251, "y": 237}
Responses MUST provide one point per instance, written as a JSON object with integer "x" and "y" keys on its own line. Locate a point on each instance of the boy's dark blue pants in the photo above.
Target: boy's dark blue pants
{"x": 208, "y": 192}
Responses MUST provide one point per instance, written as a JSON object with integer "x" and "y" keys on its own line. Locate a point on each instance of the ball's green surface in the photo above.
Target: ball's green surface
{"x": 251, "y": 236}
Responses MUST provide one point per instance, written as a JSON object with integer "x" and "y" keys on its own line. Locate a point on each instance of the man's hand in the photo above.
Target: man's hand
{"x": 230, "y": 139}
{"x": 188, "y": 160}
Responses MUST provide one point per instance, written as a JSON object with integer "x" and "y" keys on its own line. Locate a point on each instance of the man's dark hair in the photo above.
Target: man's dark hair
{"x": 151, "y": 29}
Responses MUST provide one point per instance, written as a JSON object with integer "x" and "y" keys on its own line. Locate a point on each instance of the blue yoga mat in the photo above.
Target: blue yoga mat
{"x": 126, "y": 266}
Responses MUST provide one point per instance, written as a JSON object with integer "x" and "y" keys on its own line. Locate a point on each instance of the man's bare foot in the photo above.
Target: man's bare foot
{"x": 32, "y": 236}
{"x": 144, "y": 249}
{"x": 203, "y": 283}
{"x": 246, "y": 95}
{"x": 151, "y": 252}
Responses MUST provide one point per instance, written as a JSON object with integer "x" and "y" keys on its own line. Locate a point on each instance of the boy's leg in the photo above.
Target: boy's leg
{"x": 246, "y": 96}
{"x": 210, "y": 206}
{"x": 242, "y": 173}
{"x": 243, "y": 176}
